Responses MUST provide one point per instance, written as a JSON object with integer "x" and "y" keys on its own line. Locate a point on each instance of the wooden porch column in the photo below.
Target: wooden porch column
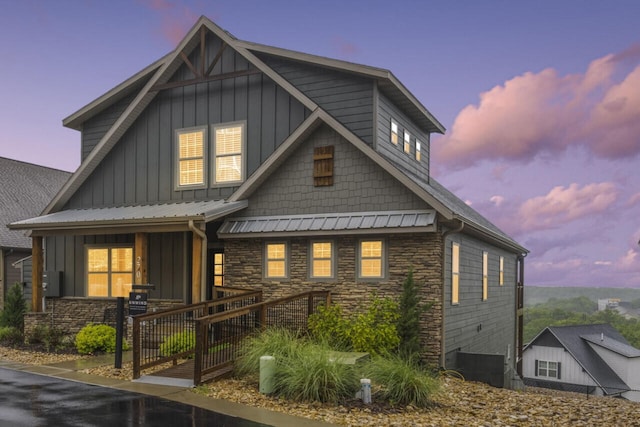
{"x": 140, "y": 250}
{"x": 37, "y": 256}
{"x": 196, "y": 269}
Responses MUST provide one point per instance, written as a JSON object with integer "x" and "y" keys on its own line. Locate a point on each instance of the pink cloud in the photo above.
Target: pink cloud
{"x": 343, "y": 47}
{"x": 563, "y": 205}
{"x": 538, "y": 113}
{"x": 176, "y": 19}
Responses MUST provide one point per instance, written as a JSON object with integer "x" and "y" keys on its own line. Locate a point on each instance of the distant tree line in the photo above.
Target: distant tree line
{"x": 578, "y": 311}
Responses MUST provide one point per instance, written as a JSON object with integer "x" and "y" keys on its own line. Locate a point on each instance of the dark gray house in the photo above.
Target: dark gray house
{"x": 25, "y": 190}
{"x": 228, "y": 162}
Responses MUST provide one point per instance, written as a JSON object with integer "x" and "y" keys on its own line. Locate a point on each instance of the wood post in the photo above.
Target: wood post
{"x": 140, "y": 254}
{"x": 196, "y": 269}
{"x": 37, "y": 257}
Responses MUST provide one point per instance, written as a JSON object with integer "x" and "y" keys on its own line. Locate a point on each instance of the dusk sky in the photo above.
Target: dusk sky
{"x": 541, "y": 99}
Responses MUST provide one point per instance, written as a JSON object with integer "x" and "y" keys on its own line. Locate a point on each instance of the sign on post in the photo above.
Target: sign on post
{"x": 137, "y": 303}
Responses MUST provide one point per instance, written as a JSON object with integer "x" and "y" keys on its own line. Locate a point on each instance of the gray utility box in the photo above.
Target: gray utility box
{"x": 52, "y": 283}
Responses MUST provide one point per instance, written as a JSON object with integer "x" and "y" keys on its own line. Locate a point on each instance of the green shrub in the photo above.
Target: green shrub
{"x": 97, "y": 338}
{"x": 178, "y": 343}
{"x": 409, "y": 319}
{"x": 51, "y": 337}
{"x": 373, "y": 331}
{"x": 314, "y": 376}
{"x": 14, "y": 308}
{"x": 10, "y": 336}
{"x": 401, "y": 381}
{"x": 328, "y": 325}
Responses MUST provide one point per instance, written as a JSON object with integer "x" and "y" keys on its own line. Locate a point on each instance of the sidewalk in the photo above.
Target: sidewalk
{"x": 71, "y": 371}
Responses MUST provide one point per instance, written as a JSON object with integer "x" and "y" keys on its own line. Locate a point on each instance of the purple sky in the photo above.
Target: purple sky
{"x": 541, "y": 100}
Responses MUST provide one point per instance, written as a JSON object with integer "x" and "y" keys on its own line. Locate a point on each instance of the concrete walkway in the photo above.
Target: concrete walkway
{"x": 71, "y": 371}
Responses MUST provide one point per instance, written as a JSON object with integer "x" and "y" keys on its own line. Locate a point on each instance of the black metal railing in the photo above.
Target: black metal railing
{"x": 152, "y": 330}
{"x": 219, "y": 336}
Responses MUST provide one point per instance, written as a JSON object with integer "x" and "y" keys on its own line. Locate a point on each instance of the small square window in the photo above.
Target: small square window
{"x": 371, "y": 259}
{"x": 276, "y": 260}
{"x": 322, "y": 259}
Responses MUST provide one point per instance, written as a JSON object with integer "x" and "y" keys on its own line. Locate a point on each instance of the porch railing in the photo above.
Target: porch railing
{"x": 150, "y": 330}
{"x": 219, "y": 336}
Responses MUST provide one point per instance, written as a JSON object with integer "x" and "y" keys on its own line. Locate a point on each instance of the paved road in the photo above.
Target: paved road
{"x": 32, "y": 400}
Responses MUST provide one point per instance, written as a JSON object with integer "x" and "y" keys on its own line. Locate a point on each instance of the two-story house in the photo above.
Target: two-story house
{"x": 228, "y": 162}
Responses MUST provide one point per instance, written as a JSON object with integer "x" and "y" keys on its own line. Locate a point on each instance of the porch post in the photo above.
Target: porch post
{"x": 37, "y": 255}
{"x": 196, "y": 269}
{"x": 141, "y": 243}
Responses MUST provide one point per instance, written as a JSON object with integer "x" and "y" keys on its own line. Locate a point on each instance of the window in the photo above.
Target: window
{"x": 547, "y": 369}
{"x": 228, "y": 148}
{"x": 394, "y": 133}
{"x": 485, "y": 275}
{"x": 501, "y": 279}
{"x": 321, "y": 259}
{"x": 455, "y": 273}
{"x": 191, "y": 157}
{"x": 276, "y": 260}
{"x": 407, "y": 142}
{"x": 371, "y": 259}
{"x": 418, "y": 155}
{"x": 109, "y": 271}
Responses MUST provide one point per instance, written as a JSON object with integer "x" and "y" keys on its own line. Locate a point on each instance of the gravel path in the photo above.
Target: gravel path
{"x": 459, "y": 404}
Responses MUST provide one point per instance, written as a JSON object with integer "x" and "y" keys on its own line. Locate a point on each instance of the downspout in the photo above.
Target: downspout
{"x": 444, "y": 257}
{"x": 203, "y": 273}
{"x": 520, "y": 313}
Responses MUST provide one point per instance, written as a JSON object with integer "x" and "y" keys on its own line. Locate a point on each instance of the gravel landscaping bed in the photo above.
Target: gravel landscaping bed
{"x": 460, "y": 403}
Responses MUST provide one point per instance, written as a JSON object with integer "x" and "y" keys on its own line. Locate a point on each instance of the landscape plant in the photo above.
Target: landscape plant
{"x": 95, "y": 338}
{"x": 10, "y": 336}
{"x": 178, "y": 343}
{"x": 53, "y": 338}
{"x": 400, "y": 381}
{"x": 280, "y": 343}
{"x": 15, "y": 308}
{"x": 409, "y": 319}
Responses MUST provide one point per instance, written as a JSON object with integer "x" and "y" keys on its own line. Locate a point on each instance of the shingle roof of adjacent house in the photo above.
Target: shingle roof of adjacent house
{"x": 575, "y": 339}
{"x": 25, "y": 190}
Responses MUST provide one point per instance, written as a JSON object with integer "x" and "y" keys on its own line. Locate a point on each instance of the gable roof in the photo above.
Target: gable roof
{"x": 158, "y": 73}
{"x": 572, "y": 339}
{"x": 25, "y": 190}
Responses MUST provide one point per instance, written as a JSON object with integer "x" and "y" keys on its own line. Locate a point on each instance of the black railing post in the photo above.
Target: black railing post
{"x": 119, "y": 331}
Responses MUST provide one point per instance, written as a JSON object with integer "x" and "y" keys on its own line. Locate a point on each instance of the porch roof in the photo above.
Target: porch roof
{"x": 330, "y": 224}
{"x": 127, "y": 216}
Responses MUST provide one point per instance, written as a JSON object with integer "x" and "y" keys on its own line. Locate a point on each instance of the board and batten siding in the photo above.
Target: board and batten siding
{"x": 347, "y": 97}
{"x": 359, "y": 185}
{"x": 474, "y": 325}
{"x": 571, "y": 371}
{"x": 388, "y": 111}
{"x": 167, "y": 264}
{"x": 139, "y": 169}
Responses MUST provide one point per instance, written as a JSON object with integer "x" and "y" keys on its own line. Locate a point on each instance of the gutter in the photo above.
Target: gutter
{"x": 203, "y": 263}
{"x": 444, "y": 255}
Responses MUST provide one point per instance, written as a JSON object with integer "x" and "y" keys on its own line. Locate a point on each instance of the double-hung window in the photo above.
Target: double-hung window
{"x": 547, "y": 369}
{"x": 191, "y": 154}
{"x": 394, "y": 133}
{"x": 276, "y": 260}
{"x": 407, "y": 142}
{"x": 501, "y": 278}
{"x": 228, "y": 143}
{"x": 418, "y": 153}
{"x": 371, "y": 259}
{"x": 322, "y": 256}
{"x": 109, "y": 271}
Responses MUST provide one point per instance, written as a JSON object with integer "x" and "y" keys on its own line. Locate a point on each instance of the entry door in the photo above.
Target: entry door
{"x": 215, "y": 269}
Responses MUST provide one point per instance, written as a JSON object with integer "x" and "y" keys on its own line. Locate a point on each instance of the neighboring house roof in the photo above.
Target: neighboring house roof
{"x": 572, "y": 338}
{"x": 605, "y": 341}
{"x": 160, "y": 214}
{"x": 25, "y": 190}
{"x": 326, "y": 224}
